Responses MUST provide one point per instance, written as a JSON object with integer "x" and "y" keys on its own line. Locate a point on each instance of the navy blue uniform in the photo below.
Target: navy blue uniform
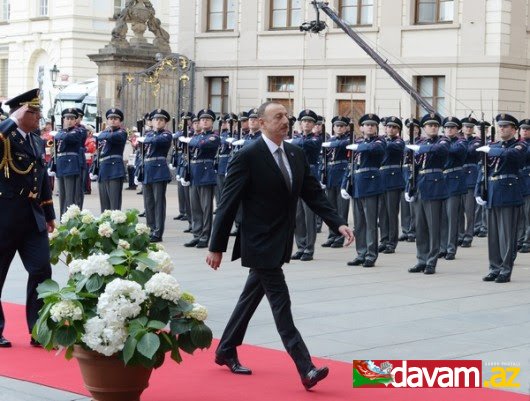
{"x": 203, "y": 149}
{"x": 112, "y": 143}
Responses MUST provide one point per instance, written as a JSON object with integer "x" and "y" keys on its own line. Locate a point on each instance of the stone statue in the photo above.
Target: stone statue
{"x": 161, "y": 40}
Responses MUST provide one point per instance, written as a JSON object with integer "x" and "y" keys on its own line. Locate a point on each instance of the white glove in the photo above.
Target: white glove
{"x": 345, "y": 195}
{"x": 51, "y": 173}
{"x": 185, "y": 139}
{"x": 485, "y": 149}
{"x": 53, "y": 133}
{"x": 480, "y": 201}
{"x": 136, "y": 182}
{"x": 93, "y": 177}
{"x": 322, "y": 185}
{"x": 178, "y": 177}
{"x": 230, "y": 140}
{"x": 171, "y": 167}
{"x": 288, "y": 140}
{"x": 326, "y": 144}
{"x": 409, "y": 198}
{"x": 141, "y": 139}
{"x": 239, "y": 142}
{"x": 184, "y": 182}
{"x": 414, "y": 148}
{"x": 353, "y": 146}
{"x": 96, "y": 134}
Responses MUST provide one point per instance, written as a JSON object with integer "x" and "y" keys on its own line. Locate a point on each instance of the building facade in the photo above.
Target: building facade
{"x": 464, "y": 56}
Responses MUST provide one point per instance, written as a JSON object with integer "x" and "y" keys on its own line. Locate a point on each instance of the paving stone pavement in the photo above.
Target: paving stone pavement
{"x": 347, "y": 313}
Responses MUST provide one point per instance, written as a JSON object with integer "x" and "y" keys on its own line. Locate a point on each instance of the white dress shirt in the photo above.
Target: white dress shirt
{"x": 273, "y": 147}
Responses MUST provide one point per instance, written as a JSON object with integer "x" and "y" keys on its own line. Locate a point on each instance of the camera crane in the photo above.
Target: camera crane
{"x": 318, "y": 26}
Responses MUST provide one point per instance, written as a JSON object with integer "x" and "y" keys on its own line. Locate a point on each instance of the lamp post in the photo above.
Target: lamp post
{"x": 54, "y": 72}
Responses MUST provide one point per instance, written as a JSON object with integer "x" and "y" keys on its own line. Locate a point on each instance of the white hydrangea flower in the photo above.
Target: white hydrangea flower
{"x": 105, "y": 230}
{"x": 122, "y": 299}
{"x": 66, "y": 310}
{"x": 123, "y": 244}
{"x": 74, "y": 231}
{"x": 97, "y": 264}
{"x": 198, "y": 312}
{"x": 163, "y": 260}
{"x": 141, "y": 228}
{"x": 76, "y": 266}
{"x": 105, "y": 214}
{"x": 54, "y": 234}
{"x": 104, "y": 336}
{"x": 72, "y": 212}
{"x": 87, "y": 217}
{"x": 164, "y": 286}
{"x": 118, "y": 217}
{"x": 160, "y": 247}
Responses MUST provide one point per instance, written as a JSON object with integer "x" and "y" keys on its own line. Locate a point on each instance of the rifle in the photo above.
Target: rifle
{"x": 292, "y": 120}
{"x": 174, "y": 124}
{"x": 238, "y": 129}
{"x": 94, "y": 168}
{"x": 140, "y": 124}
{"x": 351, "y": 173}
{"x": 485, "y": 166}
{"x": 187, "y": 172}
{"x": 52, "y": 120}
{"x": 412, "y": 177}
{"x": 325, "y": 156}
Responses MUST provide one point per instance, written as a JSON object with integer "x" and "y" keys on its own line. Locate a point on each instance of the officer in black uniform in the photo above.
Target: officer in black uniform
{"x": 26, "y": 206}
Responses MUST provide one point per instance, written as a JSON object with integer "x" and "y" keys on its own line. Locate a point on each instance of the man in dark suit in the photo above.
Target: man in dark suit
{"x": 26, "y": 206}
{"x": 267, "y": 178}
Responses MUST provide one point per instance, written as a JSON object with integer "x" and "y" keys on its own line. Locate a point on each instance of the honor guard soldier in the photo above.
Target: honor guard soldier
{"x": 69, "y": 141}
{"x": 393, "y": 184}
{"x": 180, "y": 163}
{"x": 470, "y": 170}
{"x": 305, "y": 232}
{"x": 481, "y": 212}
{"x": 524, "y": 126}
{"x": 504, "y": 197}
{"x": 455, "y": 180}
{"x": 110, "y": 145}
{"x": 367, "y": 188}
{"x": 253, "y": 126}
{"x": 334, "y": 166}
{"x": 82, "y": 157}
{"x": 408, "y": 214}
{"x": 224, "y": 152}
{"x": 26, "y": 206}
{"x": 431, "y": 191}
{"x": 203, "y": 148}
{"x": 156, "y": 172}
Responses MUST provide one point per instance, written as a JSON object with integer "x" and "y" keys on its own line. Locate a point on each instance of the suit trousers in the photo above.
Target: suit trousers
{"x": 469, "y": 204}
{"x": 219, "y": 188}
{"x": 271, "y": 283}
{"x": 408, "y": 217}
{"x": 502, "y": 238}
{"x": 428, "y": 215}
{"x": 80, "y": 192}
{"x": 155, "y": 207}
{"x": 525, "y": 222}
{"x": 365, "y": 212}
{"x": 305, "y": 232}
{"x": 201, "y": 199}
{"x": 68, "y": 192}
{"x": 389, "y": 217}
{"x": 182, "y": 198}
{"x": 481, "y": 218}
{"x": 449, "y": 224}
{"x": 343, "y": 209}
{"x": 22, "y": 235}
{"x": 110, "y": 194}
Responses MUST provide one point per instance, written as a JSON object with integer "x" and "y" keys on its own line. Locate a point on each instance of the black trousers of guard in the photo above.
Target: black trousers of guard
{"x": 271, "y": 283}
{"x": 19, "y": 232}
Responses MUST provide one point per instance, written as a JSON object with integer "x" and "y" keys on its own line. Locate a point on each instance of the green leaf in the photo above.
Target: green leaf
{"x": 94, "y": 283}
{"x": 118, "y": 252}
{"x": 175, "y": 355}
{"x": 120, "y": 270}
{"x": 201, "y": 335}
{"x": 48, "y": 287}
{"x": 116, "y": 260}
{"x": 156, "y": 324}
{"x": 79, "y": 286}
{"x": 179, "y": 326}
{"x": 129, "y": 348}
{"x": 66, "y": 336}
{"x": 146, "y": 261}
{"x": 185, "y": 343}
{"x": 138, "y": 276}
{"x": 148, "y": 345}
{"x": 43, "y": 334}
{"x": 69, "y": 353}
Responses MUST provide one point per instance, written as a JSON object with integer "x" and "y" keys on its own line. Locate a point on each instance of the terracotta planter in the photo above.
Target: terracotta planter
{"x": 108, "y": 379}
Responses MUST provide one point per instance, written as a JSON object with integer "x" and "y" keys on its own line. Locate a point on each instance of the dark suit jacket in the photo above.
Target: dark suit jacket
{"x": 254, "y": 180}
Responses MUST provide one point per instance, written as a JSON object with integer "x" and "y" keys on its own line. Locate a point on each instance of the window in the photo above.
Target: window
{"x": 218, "y": 94}
{"x": 285, "y": 14}
{"x": 118, "y": 6}
{"x": 353, "y": 109}
{"x": 3, "y": 78}
{"x": 357, "y": 12}
{"x": 42, "y": 10}
{"x": 432, "y": 90}
{"x": 4, "y": 10}
{"x": 221, "y": 15}
{"x": 281, "y": 84}
{"x": 434, "y": 11}
{"x": 351, "y": 84}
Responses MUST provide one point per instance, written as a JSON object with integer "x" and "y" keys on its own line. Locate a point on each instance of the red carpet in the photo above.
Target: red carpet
{"x": 198, "y": 378}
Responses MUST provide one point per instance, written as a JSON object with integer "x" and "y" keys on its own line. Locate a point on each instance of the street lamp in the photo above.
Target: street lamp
{"x": 54, "y": 72}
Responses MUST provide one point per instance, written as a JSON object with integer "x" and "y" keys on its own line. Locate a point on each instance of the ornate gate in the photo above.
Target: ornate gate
{"x": 166, "y": 85}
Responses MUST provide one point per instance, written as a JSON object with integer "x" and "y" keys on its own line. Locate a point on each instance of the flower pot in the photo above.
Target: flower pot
{"x": 108, "y": 379}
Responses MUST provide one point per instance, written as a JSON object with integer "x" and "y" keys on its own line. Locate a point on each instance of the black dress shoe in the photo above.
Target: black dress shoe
{"x": 442, "y": 255}
{"x": 490, "y": 277}
{"x": 233, "y": 364}
{"x": 34, "y": 343}
{"x": 337, "y": 245}
{"x": 314, "y": 376}
{"x": 187, "y": 230}
{"x": 356, "y": 262}
{"x": 328, "y": 243}
{"x": 525, "y": 249}
{"x": 502, "y": 278}
{"x": 460, "y": 242}
{"x": 297, "y": 255}
{"x": 411, "y": 239}
{"x": 381, "y": 247}
{"x": 466, "y": 244}
{"x": 4, "y": 342}
{"x": 191, "y": 243}
{"x": 389, "y": 249}
{"x": 306, "y": 257}
{"x": 368, "y": 263}
{"x": 155, "y": 239}
{"x": 179, "y": 217}
{"x": 482, "y": 234}
{"x": 403, "y": 237}
{"x": 130, "y": 189}
{"x": 417, "y": 269}
{"x": 201, "y": 244}
{"x": 140, "y": 192}
{"x": 142, "y": 214}
{"x": 450, "y": 256}
{"x": 429, "y": 270}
